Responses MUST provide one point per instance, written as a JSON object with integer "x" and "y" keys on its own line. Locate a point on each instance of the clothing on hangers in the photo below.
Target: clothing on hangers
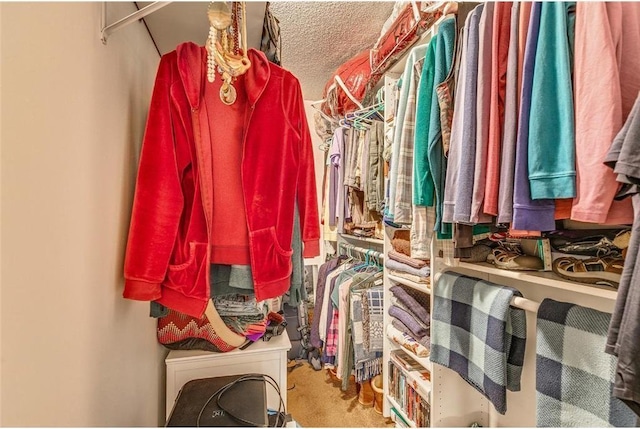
{"x": 182, "y": 245}
{"x": 624, "y": 158}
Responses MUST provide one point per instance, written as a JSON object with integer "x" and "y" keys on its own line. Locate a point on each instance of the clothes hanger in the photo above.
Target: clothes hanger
{"x": 325, "y": 146}
{"x": 316, "y": 106}
{"x": 434, "y": 7}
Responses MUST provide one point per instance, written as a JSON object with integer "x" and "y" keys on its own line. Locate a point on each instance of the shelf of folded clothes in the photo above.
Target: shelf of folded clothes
{"x": 407, "y": 270}
{"x": 362, "y": 239}
{"x": 364, "y": 230}
{"x": 544, "y": 278}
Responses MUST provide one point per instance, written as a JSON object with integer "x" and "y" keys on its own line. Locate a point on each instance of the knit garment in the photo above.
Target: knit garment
{"x": 462, "y": 204}
{"x": 528, "y": 214}
{"x": 551, "y": 144}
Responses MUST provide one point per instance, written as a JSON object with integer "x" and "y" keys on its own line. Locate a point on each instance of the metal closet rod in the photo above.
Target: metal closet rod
{"x": 107, "y": 30}
{"x": 516, "y": 301}
{"x": 363, "y": 251}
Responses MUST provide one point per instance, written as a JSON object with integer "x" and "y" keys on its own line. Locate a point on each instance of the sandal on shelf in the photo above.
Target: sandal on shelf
{"x": 512, "y": 260}
{"x": 621, "y": 240}
{"x": 601, "y": 271}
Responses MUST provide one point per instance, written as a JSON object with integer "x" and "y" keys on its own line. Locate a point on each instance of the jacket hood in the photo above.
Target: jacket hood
{"x": 192, "y": 69}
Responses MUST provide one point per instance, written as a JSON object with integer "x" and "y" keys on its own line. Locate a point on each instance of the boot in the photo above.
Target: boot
{"x": 365, "y": 395}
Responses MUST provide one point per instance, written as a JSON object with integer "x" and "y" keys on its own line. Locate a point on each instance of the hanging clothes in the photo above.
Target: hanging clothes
{"x": 463, "y": 196}
{"x": 499, "y": 56}
{"x": 323, "y": 271}
{"x": 528, "y": 214}
{"x": 402, "y": 150}
{"x": 455, "y": 148}
{"x": 604, "y": 94}
{"x": 483, "y": 103}
{"x": 510, "y": 129}
{"x": 173, "y": 204}
{"x": 622, "y": 338}
{"x": 551, "y": 140}
{"x": 445, "y": 50}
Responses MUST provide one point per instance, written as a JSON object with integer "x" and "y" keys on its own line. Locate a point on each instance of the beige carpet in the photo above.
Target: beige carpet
{"x": 314, "y": 400}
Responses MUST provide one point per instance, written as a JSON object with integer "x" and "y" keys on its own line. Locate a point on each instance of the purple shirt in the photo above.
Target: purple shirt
{"x": 528, "y": 214}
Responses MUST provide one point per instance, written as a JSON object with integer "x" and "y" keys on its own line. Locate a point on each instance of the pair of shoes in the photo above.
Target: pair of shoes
{"x": 602, "y": 271}
{"x": 478, "y": 253}
{"x": 511, "y": 259}
{"x": 599, "y": 245}
{"x": 621, "y": 240}
{"x": 365, "y": 394}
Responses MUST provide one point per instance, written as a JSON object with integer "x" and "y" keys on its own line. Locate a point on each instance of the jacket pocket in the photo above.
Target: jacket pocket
{"x": 187, "y": 277}
{"x": 271, "y": 262}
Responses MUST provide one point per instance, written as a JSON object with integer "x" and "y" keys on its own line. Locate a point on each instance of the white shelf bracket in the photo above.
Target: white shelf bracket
{"x": 107, "y": 30}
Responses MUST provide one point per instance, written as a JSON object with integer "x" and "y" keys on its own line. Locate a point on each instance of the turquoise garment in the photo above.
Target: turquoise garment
{"x": 437, "y": 162}
{"x": 551, "y": 143}
{"x": 423, "y": 188}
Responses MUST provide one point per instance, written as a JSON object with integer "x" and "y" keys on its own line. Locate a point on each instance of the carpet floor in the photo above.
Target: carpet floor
{"x": 315, "y": 400}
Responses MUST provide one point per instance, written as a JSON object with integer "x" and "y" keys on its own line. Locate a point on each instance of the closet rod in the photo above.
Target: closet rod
{"x": 516, "y": 301}
{"x": 363, "y": 251}
{"x": 107, "y": 30}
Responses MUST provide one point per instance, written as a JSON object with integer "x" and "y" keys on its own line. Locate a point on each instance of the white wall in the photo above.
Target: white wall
{"x": 74, "y": 352}
{"x": 319, "y": 162}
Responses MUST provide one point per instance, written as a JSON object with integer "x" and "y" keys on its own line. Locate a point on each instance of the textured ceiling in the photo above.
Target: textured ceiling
{"x": 317, "y": 37}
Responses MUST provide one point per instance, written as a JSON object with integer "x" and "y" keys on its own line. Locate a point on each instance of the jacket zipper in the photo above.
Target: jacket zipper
{"x": 248, "y": 116}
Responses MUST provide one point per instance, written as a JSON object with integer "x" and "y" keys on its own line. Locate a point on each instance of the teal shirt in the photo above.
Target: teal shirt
{"x": 429, "y": 160}
{"x": 445, "y": 53}
{"x": 551, "y": 143}
{"x": 423, "y": 189}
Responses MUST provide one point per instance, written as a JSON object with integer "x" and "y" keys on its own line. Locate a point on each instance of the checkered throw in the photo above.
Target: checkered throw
{"x": 477, "y": 334}
{"x": 373, "y": 308}
{"x": 574, "y": 376}
{"x": 367, "y": 363}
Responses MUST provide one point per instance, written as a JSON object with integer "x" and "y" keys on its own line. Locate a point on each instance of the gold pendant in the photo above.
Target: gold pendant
{"x": 227, "y": 92}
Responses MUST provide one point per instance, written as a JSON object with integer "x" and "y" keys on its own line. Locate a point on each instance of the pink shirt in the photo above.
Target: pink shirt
{"x": 523, "y": 29}
{"x": 607, "y": 80}
{"x": 500, "y": 51}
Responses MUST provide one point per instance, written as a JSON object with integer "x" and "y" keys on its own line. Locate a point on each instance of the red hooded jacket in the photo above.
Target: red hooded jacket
{"x": 168, "y": 250}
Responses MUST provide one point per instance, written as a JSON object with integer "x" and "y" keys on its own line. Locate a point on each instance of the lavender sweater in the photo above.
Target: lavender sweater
{"x": 528, "y": 214}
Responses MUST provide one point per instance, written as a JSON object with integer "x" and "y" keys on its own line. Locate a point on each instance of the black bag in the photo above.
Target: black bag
{"x": 271, "y": 43}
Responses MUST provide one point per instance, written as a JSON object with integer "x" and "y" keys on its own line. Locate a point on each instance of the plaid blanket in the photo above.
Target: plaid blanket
{"x": 367, "y": 364}
{"x": 574, "y": 376}
{"x": 477, "y": 334}
{"x": 373, "y": 308}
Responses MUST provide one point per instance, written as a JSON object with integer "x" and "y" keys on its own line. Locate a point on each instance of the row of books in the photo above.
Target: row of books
{"x": 404, "y": 390}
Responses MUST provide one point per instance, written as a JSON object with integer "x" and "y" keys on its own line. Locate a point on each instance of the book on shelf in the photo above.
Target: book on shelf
{"x": 423, "y": 374}
{"x": 410, "y": 396}
{"x": 405, "y": 360}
